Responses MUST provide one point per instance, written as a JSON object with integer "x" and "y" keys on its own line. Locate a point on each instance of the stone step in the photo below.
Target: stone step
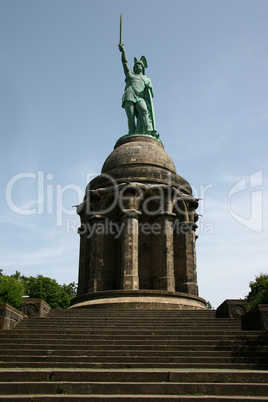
{"x": 253, "y": 341}
{"x": 9, "y": 347}
{"x": 95, "y": 312}
{"x": 124, "y": 312}
{"x": 129, "y": 331}
{"x": 133, "y": 323}
{"x": 135, "y": 315}
{"x": 117, "y": 388}
{"x": 131, "y": 398}
{"x": 131, "y": 365}
{"x": 134, "y": 318}
{"x": 79, "y": 343}
{"x": 150, "y": 337}
{"x": 180, "y": 329}
{"x": 130, "y": 323}
{"x": 124, "y": 355}
{"x": 194, "y": 333}
{"x": 175, "y": 336}
{"x": 132, "y": 314}
{"x": 213, "y": 376}
{"x": 174, "y": 353}
{"x": 124, "y": 358}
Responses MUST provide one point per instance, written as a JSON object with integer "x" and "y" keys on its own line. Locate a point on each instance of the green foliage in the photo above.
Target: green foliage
{"x": 209, "y": 305}
{"x": 48, "y": 290}
{"x": 11, "y": 291}
{"x": 40, "y": 287}
{"x": 259, "y": 291}
{"x": 70, "y": 290}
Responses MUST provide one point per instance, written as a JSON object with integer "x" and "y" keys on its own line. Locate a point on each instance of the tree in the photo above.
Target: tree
{"x": 259, "y": 291}
{"x": 209, "y": 305}
{"x": 48, "y": 290}
{"x": 41, "y": 287}
{"x": 70, "y": 289}
{"x": 11, "y": 291}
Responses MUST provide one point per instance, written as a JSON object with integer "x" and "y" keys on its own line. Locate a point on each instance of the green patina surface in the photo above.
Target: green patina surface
{"x": 153, "y": 135}
{"x": 138, "y": 96}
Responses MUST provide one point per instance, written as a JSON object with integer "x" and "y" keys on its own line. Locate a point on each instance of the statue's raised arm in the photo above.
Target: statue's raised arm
{"x": 124, "y": 59}
{"x": 138, "y": 94}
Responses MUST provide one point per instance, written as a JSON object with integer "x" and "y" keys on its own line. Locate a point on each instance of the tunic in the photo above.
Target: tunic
{"x": 135, "y": 86}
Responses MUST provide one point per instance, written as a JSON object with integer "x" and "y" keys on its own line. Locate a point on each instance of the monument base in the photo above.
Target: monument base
{"x": 151, "y": 134}
{"x": 139, "y": 299}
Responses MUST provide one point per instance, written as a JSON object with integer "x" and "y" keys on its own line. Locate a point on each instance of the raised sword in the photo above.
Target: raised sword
{"x": 121, "y": 27}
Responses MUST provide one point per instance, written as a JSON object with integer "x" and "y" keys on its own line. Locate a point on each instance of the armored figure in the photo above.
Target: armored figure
{"x": 137, "y": 97}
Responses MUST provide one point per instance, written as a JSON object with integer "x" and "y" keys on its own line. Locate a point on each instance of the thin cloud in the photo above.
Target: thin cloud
{"x": 258, "y": 120}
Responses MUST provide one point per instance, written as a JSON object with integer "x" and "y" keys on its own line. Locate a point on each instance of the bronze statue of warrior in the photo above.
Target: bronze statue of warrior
{"x": 138, "y": 94}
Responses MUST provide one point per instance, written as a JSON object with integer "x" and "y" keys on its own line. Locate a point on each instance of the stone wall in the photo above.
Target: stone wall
{"x": 9, "y": 316}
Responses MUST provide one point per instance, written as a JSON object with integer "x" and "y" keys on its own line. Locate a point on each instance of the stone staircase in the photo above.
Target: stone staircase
{"x": 126, "y": 355}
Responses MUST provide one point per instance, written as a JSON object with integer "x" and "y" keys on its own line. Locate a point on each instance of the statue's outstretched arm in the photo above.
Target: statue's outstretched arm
{"x": 124, "y": 59}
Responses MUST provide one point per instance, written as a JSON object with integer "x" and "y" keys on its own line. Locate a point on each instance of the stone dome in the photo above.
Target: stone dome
{"x": 139, "y": 159}
{"x": 139, "y": 151}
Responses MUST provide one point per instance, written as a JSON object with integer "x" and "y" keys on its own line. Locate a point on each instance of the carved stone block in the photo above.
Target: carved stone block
{"x": 232, "y": 308}
{"x": 35, "y": 308}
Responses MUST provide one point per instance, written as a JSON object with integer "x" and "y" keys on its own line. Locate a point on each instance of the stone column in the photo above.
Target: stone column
{"x": 185, "y": 258}
{"x": 163, "y": 255}
{"x": 130, "y": 241}
{"x": 84, "y": 261}
{"x": 96, "y": 266}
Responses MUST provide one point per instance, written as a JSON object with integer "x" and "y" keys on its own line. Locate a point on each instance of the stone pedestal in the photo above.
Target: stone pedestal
{"x": 129, "y": 241}
{"x": 140, "y": 300}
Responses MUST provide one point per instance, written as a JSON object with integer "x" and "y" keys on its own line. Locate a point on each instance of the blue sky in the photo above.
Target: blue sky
{"x": 61, "y": 84}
